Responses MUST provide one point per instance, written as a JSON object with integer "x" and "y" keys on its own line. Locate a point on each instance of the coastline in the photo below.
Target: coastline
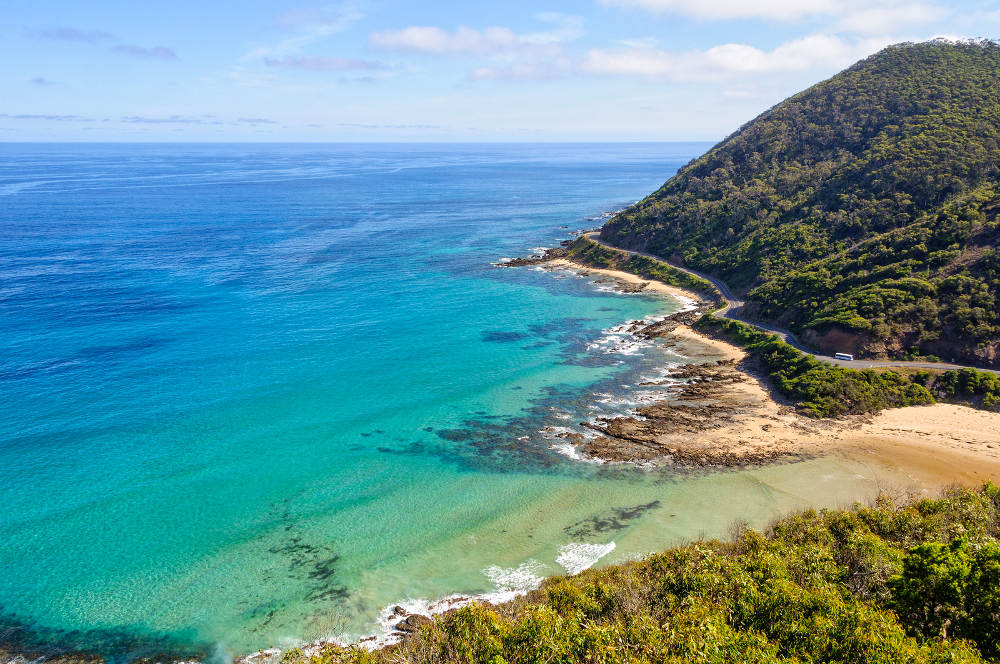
{"x": 635, "y": 282}
{"x": 742, "y": 423}
{"x": 727, "y": 415}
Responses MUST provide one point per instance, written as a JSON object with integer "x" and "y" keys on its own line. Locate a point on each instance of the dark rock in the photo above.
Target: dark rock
{"x": 412, "y": 623}
{"x": 548, "y": 255}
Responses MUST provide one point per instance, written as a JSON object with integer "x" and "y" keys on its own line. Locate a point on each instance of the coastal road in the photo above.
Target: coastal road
{"x": 732, "y": 306}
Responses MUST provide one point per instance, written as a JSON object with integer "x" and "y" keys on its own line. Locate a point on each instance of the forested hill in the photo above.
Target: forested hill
{"x": 863, "y": 213}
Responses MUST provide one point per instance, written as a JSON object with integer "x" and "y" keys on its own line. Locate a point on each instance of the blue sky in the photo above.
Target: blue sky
{"x": 388, "y": 70}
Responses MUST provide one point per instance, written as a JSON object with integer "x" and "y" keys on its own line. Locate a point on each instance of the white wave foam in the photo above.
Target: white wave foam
{"x": 578, "y": 556}
{"x": 15, "y": 187}
{"x": 508, "y": 583}
{"x": 687, "y": 303}
{"x": 388, "y": 618}
{"x": 513, "y": 581}
{"x": 568, "y": 450}
{"x": 618, "y": 342}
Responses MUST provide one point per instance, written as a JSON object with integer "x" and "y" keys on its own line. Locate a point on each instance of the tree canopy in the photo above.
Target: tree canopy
{"x": 867, "y": 205}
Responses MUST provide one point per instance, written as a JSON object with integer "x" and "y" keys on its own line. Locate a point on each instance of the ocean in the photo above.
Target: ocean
{"x": 256, "y": 394}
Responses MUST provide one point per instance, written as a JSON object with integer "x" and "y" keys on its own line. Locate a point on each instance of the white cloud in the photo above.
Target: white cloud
{"x": 471, "y": 41}
{"x": 863, "y": 16}
{"x": 726, "y": 60}
{"x": 437, "y": 41}
{"x": 783, "y": 10}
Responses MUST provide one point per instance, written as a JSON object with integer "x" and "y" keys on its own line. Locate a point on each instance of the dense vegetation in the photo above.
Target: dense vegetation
{"x": 862, "y": 212}
{"x": 818, "y": 388}
{"x": 821, "y": 389}
{"x": 591, "y": 253}
{"x": 884, "y": 583}
{"x": 967, "y": 385}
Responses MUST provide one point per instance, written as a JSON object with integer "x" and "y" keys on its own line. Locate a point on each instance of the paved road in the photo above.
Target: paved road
{"x": 732, "y": 306}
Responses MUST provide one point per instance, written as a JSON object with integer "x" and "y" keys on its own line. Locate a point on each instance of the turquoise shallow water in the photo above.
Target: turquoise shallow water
{"x": 252, "y": 394}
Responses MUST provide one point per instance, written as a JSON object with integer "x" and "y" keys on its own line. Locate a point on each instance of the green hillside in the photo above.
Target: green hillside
{"x": 863, "y": 213}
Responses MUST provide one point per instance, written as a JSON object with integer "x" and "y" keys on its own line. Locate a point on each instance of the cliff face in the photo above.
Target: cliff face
{"x": 863, "y": 210}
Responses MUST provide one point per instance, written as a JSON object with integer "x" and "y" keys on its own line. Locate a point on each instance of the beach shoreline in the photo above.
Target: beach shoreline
{"x": 727, "y": 414}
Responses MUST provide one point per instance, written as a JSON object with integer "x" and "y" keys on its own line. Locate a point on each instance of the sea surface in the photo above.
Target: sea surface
{"x": 255, "y": 394}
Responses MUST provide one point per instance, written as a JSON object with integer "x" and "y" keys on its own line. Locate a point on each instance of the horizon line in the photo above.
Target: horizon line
{"x": 370, "y": 142}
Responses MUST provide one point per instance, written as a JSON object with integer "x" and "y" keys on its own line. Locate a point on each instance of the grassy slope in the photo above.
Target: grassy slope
{"x": 867, "y": 205}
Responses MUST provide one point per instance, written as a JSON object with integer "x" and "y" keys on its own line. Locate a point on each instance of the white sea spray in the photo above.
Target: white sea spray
{"x": 578, "y": 556}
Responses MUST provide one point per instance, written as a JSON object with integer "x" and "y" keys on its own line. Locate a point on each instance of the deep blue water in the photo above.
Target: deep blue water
{"x": 254, "y": 393}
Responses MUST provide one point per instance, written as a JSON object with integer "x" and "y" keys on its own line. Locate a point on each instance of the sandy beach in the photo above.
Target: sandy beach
{"x": 725, "y": 414}
{"x": 627, "y": 278}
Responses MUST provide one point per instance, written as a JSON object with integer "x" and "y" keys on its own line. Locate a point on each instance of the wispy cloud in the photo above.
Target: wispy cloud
{"x": 45, "y": 116}
{"x": 311, "y": 17}
{"x": 40, "y": 80}
{"x": 175, "y": 119}
{"x": 170, "y": 119}
{"x": 161, "y": 52}
{"x": 74, "y": 35}
{"x": 308, "y": 27}
{"x": 208, "y": 119}
{"x": 324, "y": 64}
{"x": 357, "y": 125}
{"x": 100, "y": 37}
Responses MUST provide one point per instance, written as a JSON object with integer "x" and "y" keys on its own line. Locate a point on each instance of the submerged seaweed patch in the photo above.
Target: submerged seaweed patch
{"x": 313, "y": 564}
{"x": 31, "y": 641}
{"x": 613, "y": 520}
{"x": 504, "y": 336}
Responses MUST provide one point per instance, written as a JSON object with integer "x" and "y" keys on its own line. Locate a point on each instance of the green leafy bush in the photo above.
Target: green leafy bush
{"x": 881, "y": 583}
{"x": 951, "y": 589}
{"x": 820, "y": 389}
{"x": 969, "y": 384}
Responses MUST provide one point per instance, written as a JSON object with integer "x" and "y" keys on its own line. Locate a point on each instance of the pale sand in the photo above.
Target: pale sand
{"x": 627, "y": 277}
{"x": 938, "y": 444}
{"x": 720, "y": 349}
{"x": 941, "y": 444}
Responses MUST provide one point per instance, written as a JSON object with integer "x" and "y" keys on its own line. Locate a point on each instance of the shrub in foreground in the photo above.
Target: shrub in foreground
{"x": 915, "y": 582}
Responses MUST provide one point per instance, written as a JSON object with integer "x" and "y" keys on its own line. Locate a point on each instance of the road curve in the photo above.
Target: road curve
{"x": 732, "y": 306}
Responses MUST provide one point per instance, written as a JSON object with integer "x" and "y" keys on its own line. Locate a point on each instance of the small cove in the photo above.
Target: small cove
{"x": 259, "y": 411}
